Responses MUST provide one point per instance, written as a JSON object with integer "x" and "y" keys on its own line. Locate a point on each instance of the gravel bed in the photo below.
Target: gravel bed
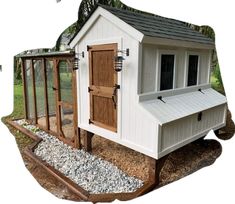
{"x": 90, "y": 172}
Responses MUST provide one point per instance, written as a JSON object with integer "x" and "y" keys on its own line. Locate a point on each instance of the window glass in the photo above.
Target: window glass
{"x": 192, "y": 70}
{"x": 167, "y": 72}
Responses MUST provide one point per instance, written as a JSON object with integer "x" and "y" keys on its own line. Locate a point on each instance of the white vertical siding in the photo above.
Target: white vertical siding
{"x": 204, "y": 67}
{"x": 136, "y": 129}
{"x": 149, "y": 64}
{"x": 180, "y": 68}
{"x": 189, "y": 127}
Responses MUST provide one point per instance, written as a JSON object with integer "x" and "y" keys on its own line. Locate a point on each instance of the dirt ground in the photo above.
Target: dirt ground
{"x": 179, "y": 164}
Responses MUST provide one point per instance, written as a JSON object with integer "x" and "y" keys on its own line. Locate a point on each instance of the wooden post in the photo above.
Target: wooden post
{"x": 88, "y": 141}
{"x": 46, "y": 104}
{"x": 77, "y": 136}
{"x": 155, "y": 169}
{"x": 34, "y": 94}
{"x": 24, "y": 88}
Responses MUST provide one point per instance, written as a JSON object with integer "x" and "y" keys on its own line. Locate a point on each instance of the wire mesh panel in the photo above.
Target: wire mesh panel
{"x": 29, "y": 89}
{"x": 65, "y": 81}
{"x": 40, "y": 94}
{"x": 66, "y": 99}
{"x": 67, "y": 125}
{"x": 51, "y": 95}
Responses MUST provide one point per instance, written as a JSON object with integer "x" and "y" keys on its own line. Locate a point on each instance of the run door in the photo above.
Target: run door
{"x": 66, "y": 101}
{"x": 103, "y": 86}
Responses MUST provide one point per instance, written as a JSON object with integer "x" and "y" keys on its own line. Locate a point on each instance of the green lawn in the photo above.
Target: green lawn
{"x": 21, "y": 139}
{"x": 18, "y": 102}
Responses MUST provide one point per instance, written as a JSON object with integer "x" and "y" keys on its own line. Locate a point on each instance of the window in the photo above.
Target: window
{"x": 192, "y": 70}
{"x": 167, "y": 71}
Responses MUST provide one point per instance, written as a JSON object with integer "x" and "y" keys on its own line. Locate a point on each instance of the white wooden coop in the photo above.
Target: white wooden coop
{"x": 144, "y": 81}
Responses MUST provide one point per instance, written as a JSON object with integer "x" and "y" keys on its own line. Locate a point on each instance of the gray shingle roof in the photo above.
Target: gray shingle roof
{"x": 157, "y": 26}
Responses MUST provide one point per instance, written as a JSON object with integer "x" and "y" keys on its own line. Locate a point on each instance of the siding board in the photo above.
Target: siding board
{"x": 183, "y": 129}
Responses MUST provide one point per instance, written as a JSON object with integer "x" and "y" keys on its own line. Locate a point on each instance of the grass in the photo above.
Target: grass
{"x": 21, "y": 139}
{"x": 18, "y": 102}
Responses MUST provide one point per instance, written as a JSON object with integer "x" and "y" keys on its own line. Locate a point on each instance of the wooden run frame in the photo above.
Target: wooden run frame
{"x": 69, "y": 58}
{"x": 155, "y": 167}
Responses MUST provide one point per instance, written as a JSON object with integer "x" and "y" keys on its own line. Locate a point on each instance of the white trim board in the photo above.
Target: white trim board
{"x": 177, "y": 43}
{"x": 172, "y": 92}
{"x": 161, "y": 52}
{"x": 188, "y": 53}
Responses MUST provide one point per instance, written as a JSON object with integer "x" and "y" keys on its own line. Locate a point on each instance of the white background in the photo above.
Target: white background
{"x": 29, "y": 24}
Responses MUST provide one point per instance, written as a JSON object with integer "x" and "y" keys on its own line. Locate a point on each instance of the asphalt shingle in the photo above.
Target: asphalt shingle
{"x": 157, "y": 26}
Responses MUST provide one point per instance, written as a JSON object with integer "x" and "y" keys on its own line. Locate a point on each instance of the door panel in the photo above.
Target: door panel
{"x": 67, "y": 127}
{"x": 103, "y": 79}
{"x": 103, "y": 71}
{"x": 103, "y": 111}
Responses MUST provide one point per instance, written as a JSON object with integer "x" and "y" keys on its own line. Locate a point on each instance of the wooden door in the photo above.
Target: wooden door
{"x": 103, "y": 86}
{"x": 66, "y": 101}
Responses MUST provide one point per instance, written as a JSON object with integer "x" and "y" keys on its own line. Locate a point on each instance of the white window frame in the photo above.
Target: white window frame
{"x": 188, "y": 53}
{"x": 158, "y": 72}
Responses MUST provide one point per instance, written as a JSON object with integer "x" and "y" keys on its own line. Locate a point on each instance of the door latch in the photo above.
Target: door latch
{"x": 114, "y": 96}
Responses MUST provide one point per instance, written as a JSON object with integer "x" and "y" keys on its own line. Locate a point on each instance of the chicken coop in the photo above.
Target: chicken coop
{"x": 137, "y": 79}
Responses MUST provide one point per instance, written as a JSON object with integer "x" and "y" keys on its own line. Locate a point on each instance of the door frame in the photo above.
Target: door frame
{"x": 75, "y": 142}
{"x": 104, "y": 47}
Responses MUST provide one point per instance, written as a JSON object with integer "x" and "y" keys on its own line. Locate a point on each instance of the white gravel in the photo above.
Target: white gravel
{"x": 90, "y": 172}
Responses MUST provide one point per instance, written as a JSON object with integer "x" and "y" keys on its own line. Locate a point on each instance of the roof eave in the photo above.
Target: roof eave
{"x": 178, "y": 43}
{"x": 111, "y": 17}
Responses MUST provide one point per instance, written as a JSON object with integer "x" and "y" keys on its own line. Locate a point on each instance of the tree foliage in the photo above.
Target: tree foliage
{"x": 205, "y": 30}
{"x": 87, "y": 6}
{"x": 217, "y": 75}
